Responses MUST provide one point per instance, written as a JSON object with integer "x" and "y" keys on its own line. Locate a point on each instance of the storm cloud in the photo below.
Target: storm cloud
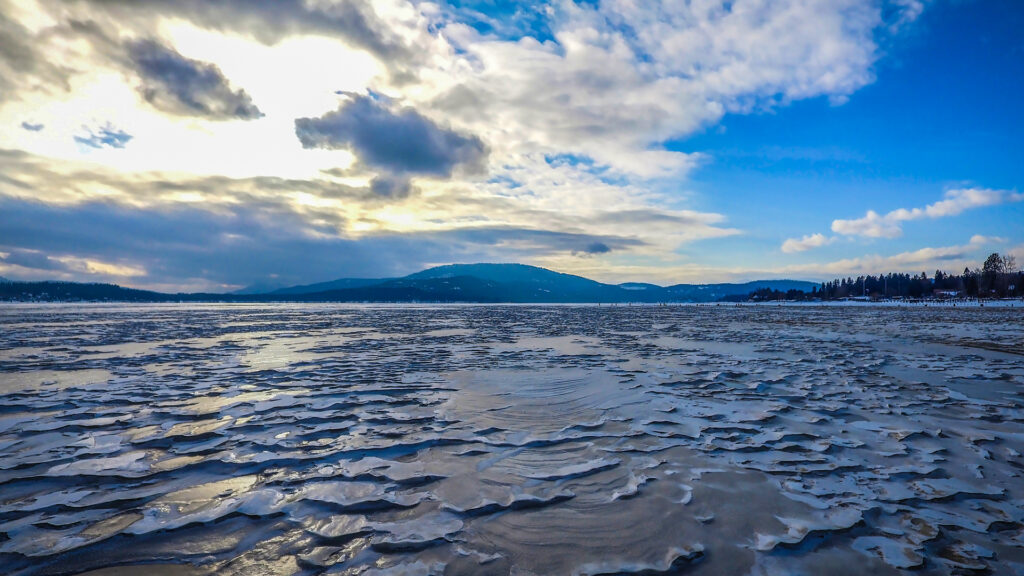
{"x": 398, "y": 141}
{"x": 179, "y": 85}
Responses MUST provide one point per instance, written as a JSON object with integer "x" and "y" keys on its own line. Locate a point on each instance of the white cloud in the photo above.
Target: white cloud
{"x": 616, "y": 81}
{"x": 622, "y": 77}
{"x": 806, "y": 243}
{"x": 100, "y": 268}
{"x": 950, "y": 258}
{"x": 871, "y": 225}
{"x": 874, "y": 225}
{"x": 907, "y": 11}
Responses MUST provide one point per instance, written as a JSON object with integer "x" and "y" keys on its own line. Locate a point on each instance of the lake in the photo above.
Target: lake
{"x": 286, "y": 439}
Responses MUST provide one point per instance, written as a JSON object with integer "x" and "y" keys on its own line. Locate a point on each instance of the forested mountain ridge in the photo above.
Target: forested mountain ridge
{"x": 515, "y": 283}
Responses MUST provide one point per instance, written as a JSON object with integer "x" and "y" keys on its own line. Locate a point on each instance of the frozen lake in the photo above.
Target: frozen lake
{"x": 312, "y": 439}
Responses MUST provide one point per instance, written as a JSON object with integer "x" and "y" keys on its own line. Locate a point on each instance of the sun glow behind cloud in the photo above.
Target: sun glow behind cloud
{"x": 297, "y": 76}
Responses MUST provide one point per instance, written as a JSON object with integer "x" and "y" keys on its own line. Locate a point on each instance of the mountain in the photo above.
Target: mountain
{"x": 519, "y": 282}
{"x": 523, "y": 283}
{"x": 451, "y": 283}
{"x": 457, "y": 289}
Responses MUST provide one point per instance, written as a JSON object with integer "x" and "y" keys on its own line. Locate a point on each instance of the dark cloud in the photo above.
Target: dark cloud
{"x": 641, "y": 216}
{"x": 391, "y": 187}
{"x": 267, "y": 21}
{"x": 182, "y": 244}
{"x": 180, "y": 85}
{"x": 15, "y": 46}
{"x": 592, "y": 249}
{"x": 24, "y": 174}
{"x": 32, "y": 127}
{"x": 245, "y": 231}
{"x": 27, "y": 63}
{"x": 402, "y": 141}
{"x": 22, "y": 67}
{"x": 253, "y": 241}
{"x": 106, "y": 137}
{"x": 528, "y": 242}
{"x": 32, "y": 259}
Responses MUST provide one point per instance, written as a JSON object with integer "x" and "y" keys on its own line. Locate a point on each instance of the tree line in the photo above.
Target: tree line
{"x": 998, "y": 277}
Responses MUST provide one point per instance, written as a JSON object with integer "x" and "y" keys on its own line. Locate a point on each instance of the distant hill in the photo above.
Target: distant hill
{"x": 518, "y": 283}
{"x": 263, "y": 287}
{"x": 715, "y": 292}
{"x": 639, "y": 286}
{"x": 50, "y": 291}
{"x": 450, "y": 283}
{"x": 522, "y": 283}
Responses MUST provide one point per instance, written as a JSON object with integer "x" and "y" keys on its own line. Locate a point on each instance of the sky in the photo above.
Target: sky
{"x": 194, "y": 145}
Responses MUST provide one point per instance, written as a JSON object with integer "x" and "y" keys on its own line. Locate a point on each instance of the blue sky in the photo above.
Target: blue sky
{"x": 292, "y": 143}
{"x": 943, "y": 113}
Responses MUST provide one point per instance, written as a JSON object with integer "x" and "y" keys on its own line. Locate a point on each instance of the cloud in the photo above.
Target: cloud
{"x": 187, "y": 245}
{"x": 613, "y": 81}
{"x": 32, "y": 259}
{"x": 179, "y": 85}
{"x": 326, "y": 207}
{"x": 806, "y": 243}
{"x": 106, "y": 137}
{"x": 268, "y": 22}
{"x": 35, "y": 265}
{"x": 1018, "y": 253}
{"x": 616, "y": 80}
{"x": 401, "y": 141}
{"x": 23, "y": 67}
{"x": 939, "y": 254}
{"x": 904, "y": 12}
{"x": 952, "y": 258}
{"x": 871, "y": 225}
{"x": 592, "y": 249}
{"x": 523, "y": 242}
{"x": 391, "y": 187}
{"x": 874, "y": 225}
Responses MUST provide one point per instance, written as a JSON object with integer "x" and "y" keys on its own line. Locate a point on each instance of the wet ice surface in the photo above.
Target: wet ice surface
{"x": 317, "y": 439}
